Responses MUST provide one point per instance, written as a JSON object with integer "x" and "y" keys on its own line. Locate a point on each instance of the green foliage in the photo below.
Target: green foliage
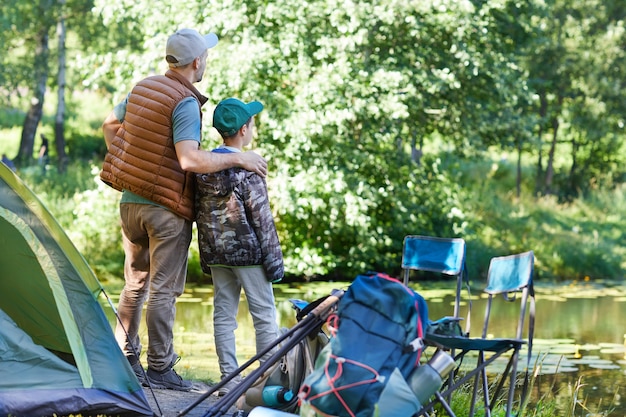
{"x": 85, "y": 146}
{"x": 10, "y": 118}
{"x": 381, "y": 119}
{"x": 88, "y": 211}
{"x": 577, "y": 240}
{"x": 341, "y": 107}
{"x": 357, "y": 226}
{"x": 360, "y": 214}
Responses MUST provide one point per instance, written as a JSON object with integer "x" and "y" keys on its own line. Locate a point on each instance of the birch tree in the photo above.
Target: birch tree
{"x": 41, "y": 29}
{"x": 59, "y": 120}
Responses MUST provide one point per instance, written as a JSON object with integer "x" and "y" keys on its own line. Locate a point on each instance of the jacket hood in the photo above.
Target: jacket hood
{"x": 222, "y": 183}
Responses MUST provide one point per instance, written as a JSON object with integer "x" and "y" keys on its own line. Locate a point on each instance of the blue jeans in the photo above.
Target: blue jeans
{"x": 227, "y": 285}
{"x": 156, "y": 243}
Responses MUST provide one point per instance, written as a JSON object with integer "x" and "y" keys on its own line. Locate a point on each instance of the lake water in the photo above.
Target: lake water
{"x": 579, "y": 345}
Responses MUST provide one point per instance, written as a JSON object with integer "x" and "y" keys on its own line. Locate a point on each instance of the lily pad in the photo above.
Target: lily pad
{"x": 614, "y": 350}
{"x": 550, "y": 370}
{"x": 604, "y": 366}
{"x": 592, "y": 361}
{"x": 551, "y": 297}
{"x": 565, "y": 349}
{"x": 612, "y": 345}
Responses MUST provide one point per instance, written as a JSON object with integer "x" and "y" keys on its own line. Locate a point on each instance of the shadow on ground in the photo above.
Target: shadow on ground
{"x": 170, "y": 403}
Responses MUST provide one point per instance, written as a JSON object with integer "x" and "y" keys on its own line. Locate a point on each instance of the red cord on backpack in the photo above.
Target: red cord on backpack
{"x": 332, "y": 323}
{"x": 336, "y": 391}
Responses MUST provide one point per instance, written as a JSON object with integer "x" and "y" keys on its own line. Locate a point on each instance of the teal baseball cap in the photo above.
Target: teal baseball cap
{"x": 231, "y": 113}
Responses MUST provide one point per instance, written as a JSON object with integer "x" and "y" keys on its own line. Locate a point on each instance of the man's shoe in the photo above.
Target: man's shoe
{"x": 229, "y": 386}
{"x": 139, "y": 373}
{"x": 168, "y": 379}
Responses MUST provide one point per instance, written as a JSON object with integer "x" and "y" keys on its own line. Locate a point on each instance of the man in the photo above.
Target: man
{"x": 6, "y": 161}
{"x": 153, "y": 141}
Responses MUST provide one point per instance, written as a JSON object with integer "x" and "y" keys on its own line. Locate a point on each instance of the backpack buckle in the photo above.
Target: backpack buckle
{"x": 415, "y": 345}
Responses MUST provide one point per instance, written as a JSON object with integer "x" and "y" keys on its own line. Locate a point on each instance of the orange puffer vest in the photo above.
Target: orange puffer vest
{"x": 142, "y": 158}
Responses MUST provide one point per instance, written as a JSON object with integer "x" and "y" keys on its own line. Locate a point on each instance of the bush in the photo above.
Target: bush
{"x": 334, "y": 227}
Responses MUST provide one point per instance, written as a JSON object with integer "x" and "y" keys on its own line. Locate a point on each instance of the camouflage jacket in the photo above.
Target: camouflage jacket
{"x": 235, "y": 223}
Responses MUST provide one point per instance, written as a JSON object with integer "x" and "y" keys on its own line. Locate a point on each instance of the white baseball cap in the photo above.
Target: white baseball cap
{"x": 186, "y": 45}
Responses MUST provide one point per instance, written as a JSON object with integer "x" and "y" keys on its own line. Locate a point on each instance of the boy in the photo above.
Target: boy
{"x": 239, "y": 245}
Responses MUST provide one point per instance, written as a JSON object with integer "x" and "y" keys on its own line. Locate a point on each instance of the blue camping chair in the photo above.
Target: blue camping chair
{"x": 445, "y": 256}
{"x": 436, "y": 254}
{"x": 508, "y": 276}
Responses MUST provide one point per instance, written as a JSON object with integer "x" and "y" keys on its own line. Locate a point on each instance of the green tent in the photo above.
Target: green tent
{"x": 58, "y": 354}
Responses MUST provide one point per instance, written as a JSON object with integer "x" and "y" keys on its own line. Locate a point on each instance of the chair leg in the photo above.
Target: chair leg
{"x": 448, "y": 383}
{"x": 502, "y": 379}
{"x": 474, "y": 394}
{"x": 510, "y": 369}
{"x": 451, "y": 376}
{"x": 479, "y": 377}
{"x": 509, "y": 404}
{"x": 486, "y": 398}
{"x": 428, "y": 408}
{"x": 444, "y": 404}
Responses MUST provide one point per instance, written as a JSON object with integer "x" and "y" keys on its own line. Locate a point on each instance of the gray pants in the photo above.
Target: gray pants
{"x": 227, "y": 284}
{"x": 156, "y": 242}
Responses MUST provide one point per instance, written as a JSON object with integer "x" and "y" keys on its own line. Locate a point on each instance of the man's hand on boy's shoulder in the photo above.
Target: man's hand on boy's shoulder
{"x": 254, "y": 162}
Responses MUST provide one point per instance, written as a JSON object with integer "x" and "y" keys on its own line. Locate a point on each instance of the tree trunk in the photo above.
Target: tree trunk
{"x": 59, "y": 136}
{"x": 543, "y": 110}
{"x": 33, "y": 117}
{"x": 416, "y": 148}
{"x": 550, "y": 164}
{"x": 573, "y": 172}
{"x": 518, "y": 179}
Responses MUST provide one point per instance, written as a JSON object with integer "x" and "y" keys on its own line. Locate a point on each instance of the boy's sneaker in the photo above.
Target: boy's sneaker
{"x": 168, "y": 379}
{"x": 229, "y": 386}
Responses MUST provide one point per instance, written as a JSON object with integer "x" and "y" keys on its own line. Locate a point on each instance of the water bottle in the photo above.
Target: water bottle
{"x": 275, "y": 395}
{"x": 426, "y": 379}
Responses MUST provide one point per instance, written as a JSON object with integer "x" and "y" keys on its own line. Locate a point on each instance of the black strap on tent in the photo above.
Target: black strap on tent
{"x": 134, "y": 349}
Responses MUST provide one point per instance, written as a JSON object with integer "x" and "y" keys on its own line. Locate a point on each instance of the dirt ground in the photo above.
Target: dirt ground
{"x": 169, "y": 403}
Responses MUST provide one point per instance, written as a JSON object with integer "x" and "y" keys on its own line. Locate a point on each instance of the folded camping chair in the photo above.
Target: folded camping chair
{"x": 508, "y": 276}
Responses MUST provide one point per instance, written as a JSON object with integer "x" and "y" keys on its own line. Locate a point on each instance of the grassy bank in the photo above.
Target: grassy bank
{"x": 578, "y": 240}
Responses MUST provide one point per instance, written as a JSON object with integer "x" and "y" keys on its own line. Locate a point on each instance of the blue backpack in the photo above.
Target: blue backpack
{"x": 378, "y": 327}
